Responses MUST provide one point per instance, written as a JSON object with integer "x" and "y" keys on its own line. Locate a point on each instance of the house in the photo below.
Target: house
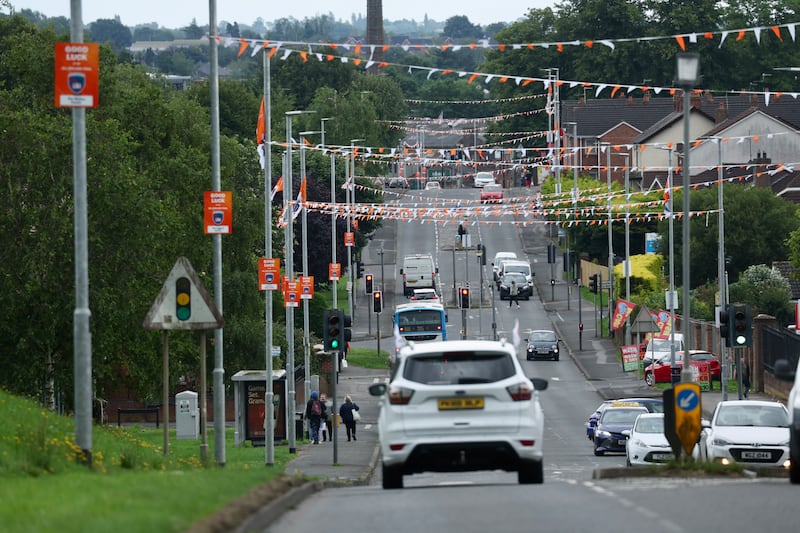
{"x": 649, "y": 131}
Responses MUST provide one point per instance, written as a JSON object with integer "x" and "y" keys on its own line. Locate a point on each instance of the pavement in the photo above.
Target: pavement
{"x": 594, "y": 355}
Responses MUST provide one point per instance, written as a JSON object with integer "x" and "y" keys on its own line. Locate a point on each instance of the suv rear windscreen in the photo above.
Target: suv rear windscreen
{"x": 450, "y": 368}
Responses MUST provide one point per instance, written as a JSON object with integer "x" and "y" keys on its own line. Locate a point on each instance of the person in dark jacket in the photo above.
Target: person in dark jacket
{"x": 315, "y": 412}
{"x": 346, "y": 412}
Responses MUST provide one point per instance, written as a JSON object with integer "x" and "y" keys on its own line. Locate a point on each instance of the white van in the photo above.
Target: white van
{"x": 497, "y": 263}
{"x": 419, "y": 272}
{"x": 522, "y": 267}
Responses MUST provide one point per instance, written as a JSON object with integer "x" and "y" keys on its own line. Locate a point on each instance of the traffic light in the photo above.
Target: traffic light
{"x": 551, "y": 253}
{"x": 368, "y": 283}
{"x": 741, "y": 326}
{"x": 347, "y": 334}
{"x": 333, "y": 329}
{"x": 482, "y": 254}
{"x": 552, "y": 281}
{"x": 725, "y": 325}
{"x": 359, "y": 270}
{"x": 377, "y": 301}
{"x": 183, "y": 299}
{"x": 593, "y": 283}
{"x": 463, "y": 293}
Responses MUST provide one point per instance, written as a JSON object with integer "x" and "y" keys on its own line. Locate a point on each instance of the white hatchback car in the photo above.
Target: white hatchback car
{"x": 647, "y": 443}
{"x": 460, "y": 406}
{"x": 753, "y": 432}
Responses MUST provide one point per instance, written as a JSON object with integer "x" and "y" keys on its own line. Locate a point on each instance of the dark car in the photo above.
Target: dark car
{"x": 397, "y": 183}
{"x": 608, "y": 435}
{"x": 543, "y": 343}
{"x": 653, "y": 405}
{"x": 524, "y": 288}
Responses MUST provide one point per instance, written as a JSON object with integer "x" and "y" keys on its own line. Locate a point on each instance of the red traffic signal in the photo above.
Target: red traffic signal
{"x": 463, "y": 293}
{"x": 377, "y": 301}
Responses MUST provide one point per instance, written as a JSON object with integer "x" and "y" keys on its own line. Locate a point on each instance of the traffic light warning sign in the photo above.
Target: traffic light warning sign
{"x": 183, "y": 302}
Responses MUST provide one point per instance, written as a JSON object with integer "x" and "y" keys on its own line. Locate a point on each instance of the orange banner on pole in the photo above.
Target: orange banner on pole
{"x": 622, "y": 311}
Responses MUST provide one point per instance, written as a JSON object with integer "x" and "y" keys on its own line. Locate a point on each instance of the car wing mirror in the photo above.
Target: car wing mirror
{"x": 539, "y": 383}
{"x": 377, "y": 389}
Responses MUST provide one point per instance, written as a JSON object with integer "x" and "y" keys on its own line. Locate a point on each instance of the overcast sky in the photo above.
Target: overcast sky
{"x": 179, "y": 13}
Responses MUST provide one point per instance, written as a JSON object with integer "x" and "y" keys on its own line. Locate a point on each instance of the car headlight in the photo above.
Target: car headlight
{"x": 555, "y": 347}
{"x": 602, "y": 434}
{"x": 784, "y": 443}
{"x": 719, "y": 441}
{"x": 639, "y": 443}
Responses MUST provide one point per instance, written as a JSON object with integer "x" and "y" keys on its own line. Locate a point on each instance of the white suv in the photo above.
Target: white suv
{"x": 460, "y": 406}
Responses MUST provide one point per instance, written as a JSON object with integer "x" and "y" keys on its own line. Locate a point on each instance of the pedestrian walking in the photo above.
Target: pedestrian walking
{"x": 513, "y": 294}
{"x": 346, "y": 411}
{"x": 745, "y": 377}
{"x": 325, "y": 428}
{"x": 315, "y": 412}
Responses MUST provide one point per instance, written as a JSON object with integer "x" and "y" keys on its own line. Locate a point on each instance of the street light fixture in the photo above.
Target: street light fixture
{"x": 687, "y": 76}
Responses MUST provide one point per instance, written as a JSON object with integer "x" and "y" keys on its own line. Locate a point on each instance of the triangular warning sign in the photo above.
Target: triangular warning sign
{"x": 183, "y": 302}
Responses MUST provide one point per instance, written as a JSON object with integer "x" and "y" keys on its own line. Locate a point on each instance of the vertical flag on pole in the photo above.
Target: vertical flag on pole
{"x": 260, "y": 134}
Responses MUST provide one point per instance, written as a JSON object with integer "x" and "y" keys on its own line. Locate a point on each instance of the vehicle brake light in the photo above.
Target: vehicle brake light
{"x": 400, "y": 395}
{"x": 527, "y": 442}
{"x": 396, "y": 447}
{"x": 520, "y": 392}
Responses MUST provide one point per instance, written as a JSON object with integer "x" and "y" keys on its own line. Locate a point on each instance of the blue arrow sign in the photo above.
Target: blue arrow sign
{"x": 687, "y": 400}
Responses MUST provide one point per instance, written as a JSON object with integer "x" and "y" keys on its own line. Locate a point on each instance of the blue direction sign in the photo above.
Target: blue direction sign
{"x": 687, "y": 405}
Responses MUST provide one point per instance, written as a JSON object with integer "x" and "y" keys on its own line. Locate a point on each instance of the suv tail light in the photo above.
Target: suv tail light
{"x": 400, "y": 395}
{"x": 520, "y": 392}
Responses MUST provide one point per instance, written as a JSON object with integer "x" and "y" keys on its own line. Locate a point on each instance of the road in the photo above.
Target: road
{"x": 570, "y": 500}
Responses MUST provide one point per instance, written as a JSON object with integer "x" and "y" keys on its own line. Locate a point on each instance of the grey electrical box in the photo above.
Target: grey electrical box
{"x": 187, "y": 416}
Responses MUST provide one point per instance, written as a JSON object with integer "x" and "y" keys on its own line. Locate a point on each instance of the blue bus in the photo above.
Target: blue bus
{"x": 421, "y": 321}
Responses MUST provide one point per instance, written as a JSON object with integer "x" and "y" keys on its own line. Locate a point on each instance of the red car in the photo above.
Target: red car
{"x": 492, "y": 193}
{"x": 659, "y": 371}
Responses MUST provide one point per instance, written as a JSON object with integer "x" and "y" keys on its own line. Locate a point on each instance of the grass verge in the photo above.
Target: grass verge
{"x": 45, "y": 485}
{"x": 368, "y": 358}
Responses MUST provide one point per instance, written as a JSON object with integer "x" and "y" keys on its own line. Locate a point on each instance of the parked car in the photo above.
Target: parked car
{"x": 609, "y": 435}
{"x": 524, "y": 288}
{"x": 543, "y": 343}
{"x": 660, "y": 370}
{"x": 432, "y": 186}
{"x": 460, "y": 406}
{"x": 646, "y": 442}
{"x": 492, "y": 193}
{"x": 659, "y": 346}
{"x": 754, "y": 432}
{"x": 482, "y": 179}
{"x": 653, "y": 405}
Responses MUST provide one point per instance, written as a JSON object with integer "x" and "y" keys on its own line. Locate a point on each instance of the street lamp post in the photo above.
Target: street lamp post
{"x": 333, "y": 209}
{"x": 289, "y": 240}
{"x": 688, "y": 74}
{"x": 350, "y": 192}
{"x": 304, "y": 225}
{"x": 627, "y": 266}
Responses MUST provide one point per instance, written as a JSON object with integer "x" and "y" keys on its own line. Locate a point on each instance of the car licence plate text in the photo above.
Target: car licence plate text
{"x": 662, "y": 456}
{"x": 756, "y": 455}
{"x": 460, "y": 403}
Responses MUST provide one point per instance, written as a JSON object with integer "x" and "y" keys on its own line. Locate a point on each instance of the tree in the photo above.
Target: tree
{"x": 766, "y": 290}
{"x": 459, "y": 27}
{"x": 111, "y": 32}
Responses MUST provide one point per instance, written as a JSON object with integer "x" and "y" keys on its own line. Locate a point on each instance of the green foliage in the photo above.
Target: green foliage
{"x": 766, "y": 290}
{"x": 368, "y": 358}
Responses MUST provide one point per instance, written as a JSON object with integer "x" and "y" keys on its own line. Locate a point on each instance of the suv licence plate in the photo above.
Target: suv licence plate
{"x": 460, "y": 403}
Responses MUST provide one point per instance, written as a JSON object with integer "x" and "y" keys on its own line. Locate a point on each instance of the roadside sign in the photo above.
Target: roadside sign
{"x": 349, "y": 238}
{"x": 217, "y": 212}
{"x": 269, "y": 273}
{"x": 77, "y": 74}
{"x": 630, "y": 357}
{"x": 306, "y": 287}
{"x": 183, "y": 302}
{"x": 291, "y": 293}
{"x": 687, "y": 414}
{"x": 334, "y": 271}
